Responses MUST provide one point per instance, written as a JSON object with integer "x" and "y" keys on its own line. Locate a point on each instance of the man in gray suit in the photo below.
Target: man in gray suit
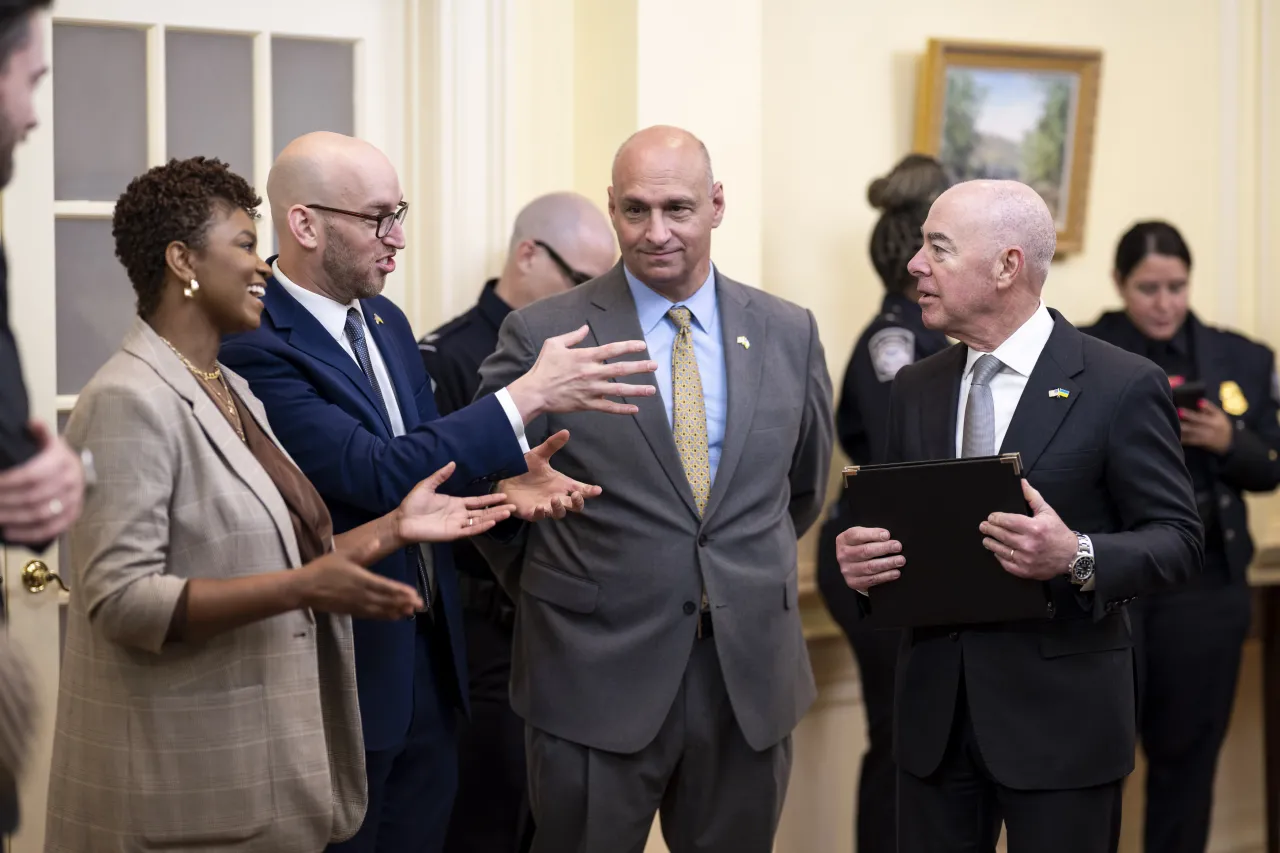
{"x": 659, "y": 663}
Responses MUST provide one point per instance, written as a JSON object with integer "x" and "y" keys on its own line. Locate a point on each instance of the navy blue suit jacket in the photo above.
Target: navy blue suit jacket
{"x": 322, "y": 409}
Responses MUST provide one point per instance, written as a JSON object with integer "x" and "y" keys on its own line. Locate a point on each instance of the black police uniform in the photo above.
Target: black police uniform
{"x": 490, "y": 814}
{"x": 897, "y": 337}
{"x": 1189, "y": 638}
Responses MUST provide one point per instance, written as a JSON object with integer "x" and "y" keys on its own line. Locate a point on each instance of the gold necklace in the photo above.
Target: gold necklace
{"x": 210, "y": 377}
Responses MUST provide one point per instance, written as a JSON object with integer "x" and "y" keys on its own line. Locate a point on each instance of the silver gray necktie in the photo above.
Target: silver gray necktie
{"x": 979, "y": 438}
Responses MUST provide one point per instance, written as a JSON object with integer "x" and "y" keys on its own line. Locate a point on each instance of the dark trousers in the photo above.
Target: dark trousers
{"x": 875, "y": 823}
{"x": 1188, "y": 643}
{"x": 491, "y": 812}
{"x": 714, "y": 793}
{"x": 411, "y": 788}
{"x": 959, "y": 808}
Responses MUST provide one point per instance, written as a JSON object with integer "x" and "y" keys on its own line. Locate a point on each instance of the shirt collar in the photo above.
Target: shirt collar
{"x": 331, "y": 314}
{"x": 652, "y": 307}
{"x": 1022, "y": 349}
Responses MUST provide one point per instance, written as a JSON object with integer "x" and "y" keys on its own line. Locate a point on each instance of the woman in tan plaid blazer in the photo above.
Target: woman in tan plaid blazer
{"x": 208, "y": 696}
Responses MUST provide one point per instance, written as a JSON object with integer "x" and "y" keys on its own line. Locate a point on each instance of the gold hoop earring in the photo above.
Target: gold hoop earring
{"x": 190, "y": 290}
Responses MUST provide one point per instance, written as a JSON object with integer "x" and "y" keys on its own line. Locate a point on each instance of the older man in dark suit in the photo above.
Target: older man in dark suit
{"x": 1029, "y": 722}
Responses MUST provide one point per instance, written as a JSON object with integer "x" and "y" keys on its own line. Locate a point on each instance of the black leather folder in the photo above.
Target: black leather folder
{"x": 934, "y": 509}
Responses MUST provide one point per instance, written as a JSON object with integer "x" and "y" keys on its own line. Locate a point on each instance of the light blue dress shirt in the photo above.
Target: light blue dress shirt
{"x": 708, "y": 348}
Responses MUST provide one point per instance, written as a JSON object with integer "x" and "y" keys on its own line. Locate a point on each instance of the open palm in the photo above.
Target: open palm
{"x": 544, "y": 492}
{"x": 428, "y": 516}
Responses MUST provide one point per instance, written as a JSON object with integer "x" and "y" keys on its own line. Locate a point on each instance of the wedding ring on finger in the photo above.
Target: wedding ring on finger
{"x": 55, "y": 508}
{"x": 1011, "y": 553}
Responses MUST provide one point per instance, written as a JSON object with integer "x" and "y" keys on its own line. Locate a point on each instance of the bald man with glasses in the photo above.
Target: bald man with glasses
{"x": 558, "y": 241}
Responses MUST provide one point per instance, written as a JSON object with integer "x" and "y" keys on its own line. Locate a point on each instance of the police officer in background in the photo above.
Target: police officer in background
{"x": 1189, "y": 638}
{"x": 559, "y": 241}
{"x": 895, "y": 338}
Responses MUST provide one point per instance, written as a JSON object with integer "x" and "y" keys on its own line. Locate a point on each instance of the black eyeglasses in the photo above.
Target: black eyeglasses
{"x": 385, "y": 221}
{"x": 574, "y": 276}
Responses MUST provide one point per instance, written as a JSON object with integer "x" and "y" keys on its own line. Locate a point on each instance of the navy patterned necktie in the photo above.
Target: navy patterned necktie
{"x": 979, "y": 437}
{"x": 355, "y": 333}
{"x": 354, "y": 330}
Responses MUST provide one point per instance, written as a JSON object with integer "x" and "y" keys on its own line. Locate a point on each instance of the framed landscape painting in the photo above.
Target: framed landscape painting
{"x": 1018, "y": 112}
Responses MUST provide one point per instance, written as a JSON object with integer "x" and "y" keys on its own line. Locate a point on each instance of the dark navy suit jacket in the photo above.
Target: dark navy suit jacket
{"x": 323, "y": 410}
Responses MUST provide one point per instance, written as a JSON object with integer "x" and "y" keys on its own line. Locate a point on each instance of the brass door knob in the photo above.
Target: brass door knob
{"x": 36, "y": 576}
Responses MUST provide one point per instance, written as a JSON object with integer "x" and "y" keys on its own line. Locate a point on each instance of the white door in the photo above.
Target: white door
{"x": 134, "y": 83}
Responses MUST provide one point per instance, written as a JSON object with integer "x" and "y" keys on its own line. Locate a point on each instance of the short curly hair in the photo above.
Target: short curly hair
{"x": 173, "y": 202}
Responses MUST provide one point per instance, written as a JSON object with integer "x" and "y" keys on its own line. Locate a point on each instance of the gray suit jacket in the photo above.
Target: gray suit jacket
{"x": 604, "y": 626}
{"x": 249, "y": 741}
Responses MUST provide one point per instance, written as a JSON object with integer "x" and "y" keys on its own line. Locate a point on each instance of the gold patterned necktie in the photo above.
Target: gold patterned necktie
{"x": 689, "y": 410}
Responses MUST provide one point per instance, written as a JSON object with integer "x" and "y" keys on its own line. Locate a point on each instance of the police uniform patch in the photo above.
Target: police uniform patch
{"x": 891, "y": 350}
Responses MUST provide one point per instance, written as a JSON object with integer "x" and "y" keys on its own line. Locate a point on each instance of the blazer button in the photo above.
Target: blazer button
{"x": 954, "y": 636}
{"x": 1224, "y": 501}
{"x": 689, "y": 607}
{"x": 702, "y": 540}
{"x": 1229, "y": 535}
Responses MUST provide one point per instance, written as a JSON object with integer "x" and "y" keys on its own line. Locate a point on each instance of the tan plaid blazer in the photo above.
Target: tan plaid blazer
{"x": 248, "y": 742}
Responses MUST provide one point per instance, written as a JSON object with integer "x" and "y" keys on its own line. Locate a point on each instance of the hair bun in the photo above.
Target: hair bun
{"x": 918, "y": 179}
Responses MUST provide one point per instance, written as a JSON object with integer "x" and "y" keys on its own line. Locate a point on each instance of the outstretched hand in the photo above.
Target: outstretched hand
{"x": 569, "y": 378}
{"x": 428, "y": 516}
{"x": 544, "y": 492}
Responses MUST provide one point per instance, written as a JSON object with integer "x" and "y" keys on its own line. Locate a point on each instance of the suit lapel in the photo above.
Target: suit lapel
{"x": 1039, "y": 415}
{"x": 616, "y": 320}
{"x": 307, "y": 335}
{"x": 144, "y": 343}
{"x": 937, "y": 412}
{"x": 404, "y": 393}
{"x": 743, "y": 371}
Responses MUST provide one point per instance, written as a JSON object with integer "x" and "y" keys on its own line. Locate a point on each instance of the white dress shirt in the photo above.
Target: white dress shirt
{"x": 1019, "y": 354}
{"x": 333, "y": 316}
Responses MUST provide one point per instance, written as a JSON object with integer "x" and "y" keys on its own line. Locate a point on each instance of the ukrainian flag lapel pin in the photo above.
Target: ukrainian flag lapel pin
{"x": 743, "y": 342}
{"x": 377, "y": 319}
{"x": 1061, "y": 393}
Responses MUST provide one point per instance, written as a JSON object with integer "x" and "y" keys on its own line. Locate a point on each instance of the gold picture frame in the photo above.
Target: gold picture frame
{"x": 1014, "y": 111}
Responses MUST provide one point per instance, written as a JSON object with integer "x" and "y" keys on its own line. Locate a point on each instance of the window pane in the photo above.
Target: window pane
{"x": 312, "y": 88}
{"x": 99, "y": 111}
{"x": 94, "y": 298}
{"x": 210, "y": 114}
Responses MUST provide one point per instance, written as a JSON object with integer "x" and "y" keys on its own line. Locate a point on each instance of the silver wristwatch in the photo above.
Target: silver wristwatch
{"x": 1081, "y": 568}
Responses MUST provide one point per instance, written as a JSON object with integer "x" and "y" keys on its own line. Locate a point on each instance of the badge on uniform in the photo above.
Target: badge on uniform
{"x": 1233, "y": 399}
{"x": 891, "y": 350}
{"x": 1060, "y": 393}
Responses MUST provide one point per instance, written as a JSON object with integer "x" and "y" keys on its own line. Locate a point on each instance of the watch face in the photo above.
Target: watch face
{"x": 1083, "y": 568}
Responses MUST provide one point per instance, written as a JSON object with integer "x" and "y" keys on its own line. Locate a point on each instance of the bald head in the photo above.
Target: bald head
{"x": 558, "y": 240}
{"x": 326, "y": 193}
{"x": 563, "y": 219}
{"x": 1009, "y": 214}
{"x": 325, "y": 168}
{"x": 985, "y": 258}
{"x": 662, "y": 145}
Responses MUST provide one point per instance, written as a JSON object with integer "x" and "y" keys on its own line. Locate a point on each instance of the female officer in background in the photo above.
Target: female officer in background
{"x": 1188, "y": 639}
{"x": 895, "y": 338}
